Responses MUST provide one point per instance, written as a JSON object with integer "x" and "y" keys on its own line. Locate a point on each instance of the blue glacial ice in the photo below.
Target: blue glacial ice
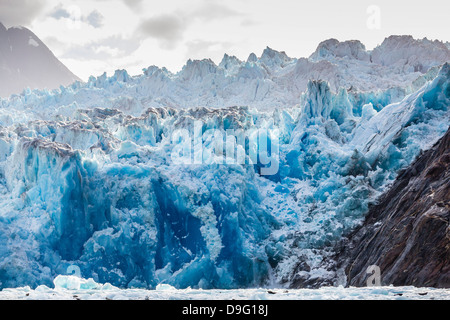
{"x": 97, "y": 188}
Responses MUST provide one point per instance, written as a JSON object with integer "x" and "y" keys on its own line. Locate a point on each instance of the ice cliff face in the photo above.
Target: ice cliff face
{"x": 91, "y": 177}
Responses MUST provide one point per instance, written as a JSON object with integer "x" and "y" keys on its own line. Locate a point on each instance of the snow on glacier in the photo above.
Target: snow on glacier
{"x": 88, "y": 180}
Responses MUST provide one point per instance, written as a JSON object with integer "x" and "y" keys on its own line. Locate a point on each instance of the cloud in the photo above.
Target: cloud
{"x": 115, "y": 46}
{"x": 126, "y": 45}
{"x": 210, "y": 11}
{"x": 74, "y": 15}
{"x": 54, "y": 44}
{"x": 249, "y": 23}
{"x": 20, "y": 12}
{"x": 200, "y": 49}
{"x": 59, "y": 12}
{"x": 133, "y": 4}
{"x": 168, "y": 29}
{"x": 95, "y": 19}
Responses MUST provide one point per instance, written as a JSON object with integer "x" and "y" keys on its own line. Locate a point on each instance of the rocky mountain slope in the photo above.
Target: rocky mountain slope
{"x": 25, "y": 61}
{"x": 407, "y": 234}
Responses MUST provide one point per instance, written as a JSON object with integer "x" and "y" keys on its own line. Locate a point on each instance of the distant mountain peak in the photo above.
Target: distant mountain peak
{"x": 252, "y": 57}
{"x": 26, "y": 62}
{"x": 197, "y": 69}
{"x": 405, "y": 52}
{"x": 334, "y": 48}
{"x": 272, "y": 57}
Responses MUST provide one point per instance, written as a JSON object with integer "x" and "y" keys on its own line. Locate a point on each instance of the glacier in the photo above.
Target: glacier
{"x": 88, "y": 181}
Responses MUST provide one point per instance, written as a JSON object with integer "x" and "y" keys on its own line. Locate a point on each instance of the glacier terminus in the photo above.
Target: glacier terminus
{"x": 245, "y": 174}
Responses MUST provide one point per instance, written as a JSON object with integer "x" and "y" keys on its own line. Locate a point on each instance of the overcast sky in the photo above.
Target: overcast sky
{"x": 93, "y": 36}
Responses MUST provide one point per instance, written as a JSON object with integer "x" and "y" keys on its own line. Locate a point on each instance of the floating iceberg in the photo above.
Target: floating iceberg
{"x": 77, "y": 283}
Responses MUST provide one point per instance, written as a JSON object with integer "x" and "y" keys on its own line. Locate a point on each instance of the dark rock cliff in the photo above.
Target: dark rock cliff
{"x": 407, "y": 234}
